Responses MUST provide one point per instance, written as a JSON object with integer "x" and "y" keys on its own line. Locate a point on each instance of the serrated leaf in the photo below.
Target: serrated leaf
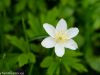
{"x": 50, "y": 17}
{"x": 19, "y": 43}
{"x": 70, "y": 60}
{"x": 67, "y": 67}
{"x": 52, "y": 68}
{"x": 36, "y": 28}
{"x": 22, "y": 59}
{"x": 26, "y": 58}
{"x": 34, "y": 24}
{"x": 70, "y": 53}
{"x": 31, "y": 58}
{"x": 79, "y": 67}
{"x": 46, "y": 62}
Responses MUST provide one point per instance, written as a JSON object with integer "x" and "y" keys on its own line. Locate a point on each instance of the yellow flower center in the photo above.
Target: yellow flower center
{"x": 61, "y": 37}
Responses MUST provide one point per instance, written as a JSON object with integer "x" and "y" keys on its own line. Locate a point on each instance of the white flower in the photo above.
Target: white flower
{"x": 60, "y": 37}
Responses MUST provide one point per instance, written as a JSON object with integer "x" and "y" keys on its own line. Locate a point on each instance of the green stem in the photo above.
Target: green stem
{"x": 30, "y": 70}
{"x": 2, "y": 45}
{"x": 26, "y": 37}
{"x": 27, "y": 40}
{"x": 2, "y": 32}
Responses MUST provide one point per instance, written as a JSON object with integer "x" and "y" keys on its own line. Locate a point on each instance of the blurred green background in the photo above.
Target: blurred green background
{"x": 21, "y": 33}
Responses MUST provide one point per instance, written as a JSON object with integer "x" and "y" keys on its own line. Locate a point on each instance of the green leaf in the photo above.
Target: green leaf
{"x": 67, "y": 12}
{"x": 31, "y": 57}
{"x": 4, "y": 4}
{"x": 18, "y": 42}
{"x": 1, "y": 6}
{"x": 42, "y": 6}
{"x": 70, "y": 60}
{"x": 36, "y": 28}
{"x": 97, "y": 24}
{"x": 93, "y": 60}
{"x": 64, "y": 2}
{"x": 51, "y": 64}
{"x": 52, "y": 68}
{"x": 71, "y": 21}
{"x": 34, "y": 24}
{"x": 26, "y": 58}
{"x": 8, "y": 61}
{"x": 7, "y": 2}
{"x": 71, "y": 53}
{"x": 79, "y": 67}
{"x": 67, "y": 67}
{"x": 31, "y": 5}
{"x": 81, "y": 42}
{"x": 22, "y": 59}
{"x": 58, "y": 71}
{"x": 50, "y": 16}
{"x": 20, "y": 6}
{"x": 95, "y": 63}
{"x": 71, "y": 3}
{"x": 46, "y": 62}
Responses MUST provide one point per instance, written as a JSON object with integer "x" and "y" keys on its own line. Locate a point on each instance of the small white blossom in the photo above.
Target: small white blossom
{"x": 60, "y": 37}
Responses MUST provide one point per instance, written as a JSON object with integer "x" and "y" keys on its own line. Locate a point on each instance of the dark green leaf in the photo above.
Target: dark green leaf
{"x": 46, "y": 62}
{"x": 18, "y": 42}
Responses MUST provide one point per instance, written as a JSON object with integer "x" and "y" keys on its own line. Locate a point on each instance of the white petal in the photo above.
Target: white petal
{"x": 59, "y": 50}
{"x": 48, "y": 42}
{"x": 49, "y": 29}
{"x": 72, "y": 32}
{"x": 71, "y": 44}
{"x": 61, "y": 25}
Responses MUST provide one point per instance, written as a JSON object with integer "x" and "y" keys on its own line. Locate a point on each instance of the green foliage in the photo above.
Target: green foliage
{"x": 46, "y": 61}
{"x": 69, "y": 61}
{"x": 93, "y": 60}
{"x": 49, "y": 63}
{"x": 20, "y": 6}
{"x": 21, "y": 33}
{"x": 4, "y": 4}
{"x": 37, "y": 29}
{"x": 8, "y": 61}
{"x": 18, "y": 42}
{"x": 26, "y": 58}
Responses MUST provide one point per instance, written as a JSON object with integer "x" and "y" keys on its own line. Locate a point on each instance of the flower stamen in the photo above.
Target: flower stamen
{"x": 61, "y": 37}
